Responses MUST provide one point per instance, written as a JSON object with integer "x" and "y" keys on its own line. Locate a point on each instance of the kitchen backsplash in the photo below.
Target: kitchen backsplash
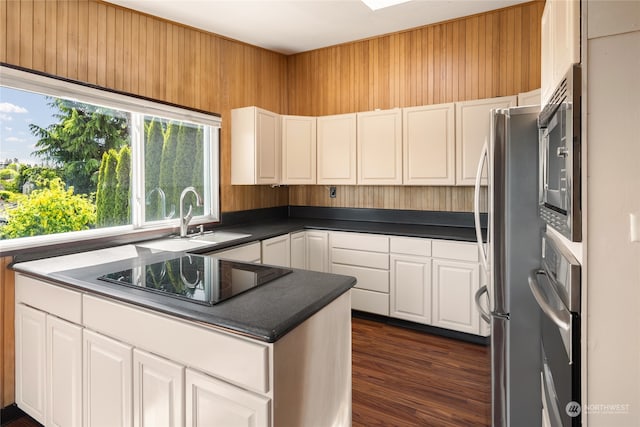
{"x": 450, "y": 199}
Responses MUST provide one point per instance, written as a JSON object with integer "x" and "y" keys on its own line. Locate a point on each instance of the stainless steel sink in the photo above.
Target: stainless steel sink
{"x": 218, "y": 237}
{"x": 189, "y": 243}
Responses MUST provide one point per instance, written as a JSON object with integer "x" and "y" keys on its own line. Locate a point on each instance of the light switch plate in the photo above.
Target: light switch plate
{"x": 634, "y": 227}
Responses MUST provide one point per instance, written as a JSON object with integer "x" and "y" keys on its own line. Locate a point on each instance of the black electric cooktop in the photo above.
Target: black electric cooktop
{"x": 196, "y": 278}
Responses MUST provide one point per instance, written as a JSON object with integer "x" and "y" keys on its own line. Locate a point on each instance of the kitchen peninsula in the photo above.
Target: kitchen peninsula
{"x": 96, "y": 352}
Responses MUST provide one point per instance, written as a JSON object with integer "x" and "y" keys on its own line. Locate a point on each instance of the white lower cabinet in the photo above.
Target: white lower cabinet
{"x": 158, "y": 391}
{"x": 277, "y": 251}
{"x": 31, "y": 361}
{"x": 48, "y": 367}
{"x": 64, "y": 373}
{"x": 246, "y": 253}
{"x": 310, "y": 250}
{"x": 410, "y": 296}
{"x": 298, "y": 254}
{"x": 454, "y": 286}
{"x": 212, "y": 402}
{"x": 365, "y": 257}
{"x": 107, "y": 371}
{"x": 317, "y": 251}
{"x": 410, "y": 281}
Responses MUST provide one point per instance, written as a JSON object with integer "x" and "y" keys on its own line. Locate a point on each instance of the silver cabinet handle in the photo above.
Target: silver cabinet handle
{"x": 483, "y": 313}
{"x": 559, "y": 316}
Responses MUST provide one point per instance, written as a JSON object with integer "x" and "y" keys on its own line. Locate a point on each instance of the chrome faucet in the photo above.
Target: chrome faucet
{"x": 163, "y": 200}
{"x": 184, "y": 219}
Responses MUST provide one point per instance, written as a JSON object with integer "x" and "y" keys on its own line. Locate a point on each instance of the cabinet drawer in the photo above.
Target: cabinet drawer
{"x": 360, "y": 241}
{"x": 59, "y": 301}
{"x": 368, "y": 278}
{"x": 234, "y": 359}
{"x": 358, "y": 258}
{"x": 369, "y": 301}
{"x": 462, "y": 251}
{"x": 410, "y": 246}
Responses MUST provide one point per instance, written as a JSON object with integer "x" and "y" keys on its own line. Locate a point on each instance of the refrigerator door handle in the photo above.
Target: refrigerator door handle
{"x": 483, "y": 313}
{"x": 476, "y": 206}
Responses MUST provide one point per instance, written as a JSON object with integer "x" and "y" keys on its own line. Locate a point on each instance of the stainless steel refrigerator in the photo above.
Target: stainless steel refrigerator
{"x": 512, "y": 250}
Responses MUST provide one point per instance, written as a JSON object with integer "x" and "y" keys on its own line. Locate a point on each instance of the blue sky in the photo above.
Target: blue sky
{"x": 17, "y": 110}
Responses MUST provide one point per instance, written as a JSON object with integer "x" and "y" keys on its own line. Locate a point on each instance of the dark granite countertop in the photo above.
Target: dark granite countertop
{"x": 266, "y": 312}
{"x": 266, "y": 229}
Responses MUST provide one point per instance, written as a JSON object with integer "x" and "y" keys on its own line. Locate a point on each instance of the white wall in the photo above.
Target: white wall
{"x": 613, "y": 182}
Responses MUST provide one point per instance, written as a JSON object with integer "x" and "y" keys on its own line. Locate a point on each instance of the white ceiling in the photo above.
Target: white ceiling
{"x": 292, "y": 26}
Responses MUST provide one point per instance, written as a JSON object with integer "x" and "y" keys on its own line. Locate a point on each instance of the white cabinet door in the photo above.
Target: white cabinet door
{"x": 277, "y": 251}
{"x": 317, "y": 251}
{"x": 410, "y": 296}
{"x": 211, "y": 402}
{"x": 428, "y": 145}
{"x": 246, "y": 253}
{"x": 107, "y": 388}
{"x": 529, "y": 98}
{"x": 560, "y": 42}
{"x": 298, "y": 150}
{"x": 64, "y": 373}
{"x": 298, "y": 250}
{"x": 158, "y": 391}
{"x": 380, "y": 147}
{"x": 255, "y": 146}
{"x": 30, "y": 361}
{"x": 454, "y": 286}
{"x": 473, "y": 125}
{"x": 337, "y": 149}
{"x": 566, "y": 37}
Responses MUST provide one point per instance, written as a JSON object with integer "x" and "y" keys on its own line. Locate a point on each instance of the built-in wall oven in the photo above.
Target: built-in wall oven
{"x": 559, "y": 125}
{"x": 556, "y": 288}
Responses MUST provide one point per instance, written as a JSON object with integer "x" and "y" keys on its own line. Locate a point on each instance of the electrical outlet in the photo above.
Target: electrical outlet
{"x": 332, "y": 192}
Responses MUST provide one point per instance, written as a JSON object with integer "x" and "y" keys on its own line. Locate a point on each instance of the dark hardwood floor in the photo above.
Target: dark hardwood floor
{"x": 403, "y": 377}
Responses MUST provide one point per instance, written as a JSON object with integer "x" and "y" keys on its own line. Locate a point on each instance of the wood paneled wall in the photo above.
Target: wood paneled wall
{"x": 7, "y": 345}
{"x": 482, "y": 56}
{"x": 120, "y": 49}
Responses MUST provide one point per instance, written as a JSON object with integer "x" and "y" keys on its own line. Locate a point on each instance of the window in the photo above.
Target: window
{"x": 80, "y": 159}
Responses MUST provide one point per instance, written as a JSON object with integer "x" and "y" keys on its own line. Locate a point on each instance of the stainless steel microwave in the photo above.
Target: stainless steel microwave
{"x": 559, "y": 125}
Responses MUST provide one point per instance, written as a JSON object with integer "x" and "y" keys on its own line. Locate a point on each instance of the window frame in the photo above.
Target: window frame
{"x": 138, "y": 107}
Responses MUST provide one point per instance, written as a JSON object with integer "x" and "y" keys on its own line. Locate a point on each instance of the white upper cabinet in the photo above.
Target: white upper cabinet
{"x": 337, "y": 149}
{"x": 255, "y": 146}
{"x": 560, "y": 44}
{"x": 380, "y": 147}
{"x": 473, "y": 125}
{"x": 298, "y": 150}
{"x": 529, "y": 98}
{"x": 428, "y": 145}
